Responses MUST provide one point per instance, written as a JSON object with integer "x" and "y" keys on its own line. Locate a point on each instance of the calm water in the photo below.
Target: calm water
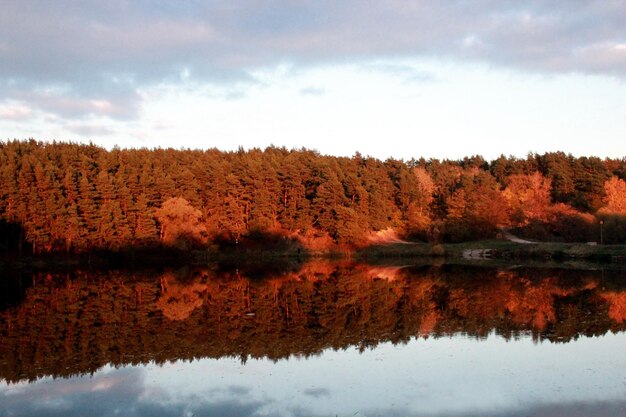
{"x": 317, "y": 340}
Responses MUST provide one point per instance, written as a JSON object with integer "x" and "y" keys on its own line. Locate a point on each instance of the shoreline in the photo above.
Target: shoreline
{"x": 465, "y": 252}
{"x": 501, "y": 249}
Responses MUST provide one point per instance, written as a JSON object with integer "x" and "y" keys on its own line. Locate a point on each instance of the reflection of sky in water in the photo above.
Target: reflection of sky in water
{"x": 445, "y": 377}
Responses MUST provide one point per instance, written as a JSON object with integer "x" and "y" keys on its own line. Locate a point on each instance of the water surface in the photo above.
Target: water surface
{"x": 321, "y": 340}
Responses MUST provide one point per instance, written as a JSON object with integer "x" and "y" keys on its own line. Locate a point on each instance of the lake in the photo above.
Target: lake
{"x": 317, "y": 339}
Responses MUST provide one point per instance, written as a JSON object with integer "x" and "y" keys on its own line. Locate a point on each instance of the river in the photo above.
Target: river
{"x": 318, "y": 339}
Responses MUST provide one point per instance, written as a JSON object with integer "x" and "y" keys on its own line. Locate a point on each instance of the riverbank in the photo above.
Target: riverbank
{"x": 270, "y": 259}
{"x": 233, "y": 258}
{"x": 498, "y": 249}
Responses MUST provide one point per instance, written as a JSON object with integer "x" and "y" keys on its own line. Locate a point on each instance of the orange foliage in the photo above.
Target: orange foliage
{"x": 534, "y": 304}
{"x": 386, "y": 236}
{"x": 615, "y": 199}
{"x": 429, "y": 322}
{"x": 178, "y": 300}
{"x": 315, "y": 240}
{"x": 562, "y": 222}
{"x": 560, "y": 212}
{"x": 528, "y": 197}
{"x": 387, "y": 273}
{"x": 425, "y": 185}
{"x": 476, "y": 209}
{"x": 617, "y": 305}
{"x": 181, "y": 224}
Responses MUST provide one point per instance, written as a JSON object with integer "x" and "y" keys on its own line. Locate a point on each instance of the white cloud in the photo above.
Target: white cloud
{"x": 328, "y": 75}
{"x": 312, "y": 91}
{"x": 471, "y": 41}
{"x": 466, "y": 110}
{"x": 15, "y": 112}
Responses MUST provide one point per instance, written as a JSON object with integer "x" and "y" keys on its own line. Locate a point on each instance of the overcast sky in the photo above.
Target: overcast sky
{"x": 390, "y": 78}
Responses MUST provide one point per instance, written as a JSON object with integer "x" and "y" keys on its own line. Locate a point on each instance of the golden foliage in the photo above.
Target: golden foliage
{"x": 529, "y": 197}
{"x": 615, "y": 198}
{"x": 179, "y": 300}
{"x": 617, "y": 305}
{"x": 181, "y": 224}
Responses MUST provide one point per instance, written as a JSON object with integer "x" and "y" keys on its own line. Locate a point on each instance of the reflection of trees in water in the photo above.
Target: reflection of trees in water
{"x": 617, "y": 305}
{"x": 76, "y": 323}
{"x": 178, "y": 300}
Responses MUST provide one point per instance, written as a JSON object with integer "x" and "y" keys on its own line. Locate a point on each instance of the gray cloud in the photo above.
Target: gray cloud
{"x": 89, "y": 130}
{"x": 316, "y": 392}
{"x": 75, "y": 59}
{"x": 71, "y": 106}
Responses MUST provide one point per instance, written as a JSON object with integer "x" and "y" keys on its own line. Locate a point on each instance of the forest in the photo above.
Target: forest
{"x": 71, "y": 198}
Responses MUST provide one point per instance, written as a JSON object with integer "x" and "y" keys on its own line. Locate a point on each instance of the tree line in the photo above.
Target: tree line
{"x": 67, "y": 197}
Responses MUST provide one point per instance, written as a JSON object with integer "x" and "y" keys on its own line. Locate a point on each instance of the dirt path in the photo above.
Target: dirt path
{"x": 514, "y": 238}
{"x": 386, "y": 237}
{"x": 389, "y": 236}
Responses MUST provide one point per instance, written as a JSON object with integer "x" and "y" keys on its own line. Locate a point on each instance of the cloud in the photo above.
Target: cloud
{"x": 316, "y": 392}
{"x": 71, "y": 107}
{"x": 15, "y": 112}
{"x": 312, "y": 91}
{"x": 75, "y": 59}
{"x": 404, "y": 72}
{"x": 89, "y": 130}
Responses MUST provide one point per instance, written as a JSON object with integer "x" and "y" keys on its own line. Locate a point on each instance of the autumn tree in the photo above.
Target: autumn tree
{"x": 76, "y": 198}
{"x": 528, "y": 196}
{"x": 181, "y": 224}
{"x": 418, "y": 211}
{"x": 477, "y": 209}
{"x": 613, "y": 214}
{"x": 615, "y": 198}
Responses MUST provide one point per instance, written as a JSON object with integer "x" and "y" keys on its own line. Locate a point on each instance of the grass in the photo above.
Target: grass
{"x": 501, "y": 249}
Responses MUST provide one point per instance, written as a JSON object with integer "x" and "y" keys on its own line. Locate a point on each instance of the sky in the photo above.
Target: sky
{"x": 401, "y": 79}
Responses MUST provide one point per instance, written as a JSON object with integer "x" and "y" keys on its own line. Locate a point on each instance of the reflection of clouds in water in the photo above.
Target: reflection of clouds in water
{"x": 239, "y": 389}
{"x": 317, "y": 392}
{"x": 115, "y": 390}
{"x": 300, "y": 411}
{"x": 230, "y": 390}
{"x": 582, "y": 409}
{"x": 574, "y": 409}
{"x": 229, "y": 408}
{"x": 126, "y": 392}
{"x": 119, "y": 392}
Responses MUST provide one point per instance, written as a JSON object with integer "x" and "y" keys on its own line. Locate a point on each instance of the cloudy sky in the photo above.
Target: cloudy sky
{"x": 389, "y": 78}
